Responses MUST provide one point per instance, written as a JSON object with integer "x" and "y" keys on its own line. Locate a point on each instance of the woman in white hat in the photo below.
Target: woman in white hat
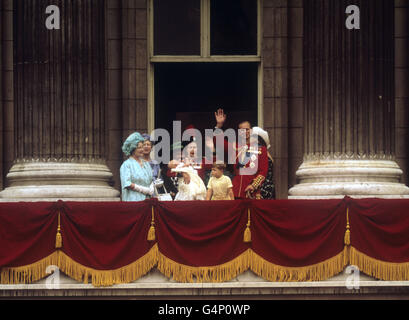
{"x": 191, "y": 186}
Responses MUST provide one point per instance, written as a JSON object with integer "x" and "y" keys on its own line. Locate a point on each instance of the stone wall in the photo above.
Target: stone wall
{"x": 126, "y": 70}
{"x": 296, "y": 95}
{"x": 282, "y": 86}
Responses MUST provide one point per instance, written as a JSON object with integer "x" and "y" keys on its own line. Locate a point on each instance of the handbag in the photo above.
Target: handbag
{"x": 162, "y": 196}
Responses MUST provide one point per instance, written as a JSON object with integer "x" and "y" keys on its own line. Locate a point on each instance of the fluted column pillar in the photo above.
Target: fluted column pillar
{"x": 348, "y": 102}
{"x": 59, "y": 109}
{"x": 1, "y": 96}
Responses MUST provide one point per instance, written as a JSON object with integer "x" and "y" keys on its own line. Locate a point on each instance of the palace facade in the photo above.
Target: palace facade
{"x": 335, "y": 101}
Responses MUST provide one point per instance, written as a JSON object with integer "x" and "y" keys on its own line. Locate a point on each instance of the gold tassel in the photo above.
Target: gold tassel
{"x": 58, "y": 237}
{"x": 247, "y": 232}
{"x": 151, "y": 233}
{"x": 347, "y": 237}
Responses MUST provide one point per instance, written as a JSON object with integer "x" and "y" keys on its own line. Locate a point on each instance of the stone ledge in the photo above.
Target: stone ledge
{"x": 330, "y": 179}
{"x": 247, "y": 285}
{"x": 239, "y": 291}
{"x": 51, "y": 181}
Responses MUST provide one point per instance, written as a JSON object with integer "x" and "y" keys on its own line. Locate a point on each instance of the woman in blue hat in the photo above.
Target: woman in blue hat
{"x": 136, "y": 173}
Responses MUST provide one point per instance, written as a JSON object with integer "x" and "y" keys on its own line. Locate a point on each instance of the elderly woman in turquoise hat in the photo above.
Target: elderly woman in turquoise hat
{"x": 136, "y": 173}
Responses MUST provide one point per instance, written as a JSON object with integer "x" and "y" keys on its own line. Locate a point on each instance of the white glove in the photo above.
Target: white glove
{"x": 142, "y": 189}
{"x": 151, "y": 189}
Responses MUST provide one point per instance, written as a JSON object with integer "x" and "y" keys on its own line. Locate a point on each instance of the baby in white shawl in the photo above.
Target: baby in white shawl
{"x": 191, "y": 186}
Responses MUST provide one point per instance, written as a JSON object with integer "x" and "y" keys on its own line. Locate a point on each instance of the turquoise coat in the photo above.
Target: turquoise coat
{"x": 132, "y": 172}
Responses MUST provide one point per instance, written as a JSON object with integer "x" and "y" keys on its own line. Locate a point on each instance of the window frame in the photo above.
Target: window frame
{"x": 205, "y": 56}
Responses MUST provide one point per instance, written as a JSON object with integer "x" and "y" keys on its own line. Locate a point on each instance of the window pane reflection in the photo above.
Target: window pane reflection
{"x": 176, "y": 27}
{"x": 233, "y": 27}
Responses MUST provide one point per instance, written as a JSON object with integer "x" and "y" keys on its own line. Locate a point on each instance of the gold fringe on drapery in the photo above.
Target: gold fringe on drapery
{"x": 316, "y": 272}
{"x": 382, "y": 270}
{"x": 75, "y": 270}
{"x": 125, "y": 274}
{"x": 219, "y": 273}
{"x": 378, "y": 269}
{"x": 29, "y": 273}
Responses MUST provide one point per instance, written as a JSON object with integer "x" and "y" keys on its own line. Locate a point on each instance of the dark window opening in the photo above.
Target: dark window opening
{"x": 192, "y": 92}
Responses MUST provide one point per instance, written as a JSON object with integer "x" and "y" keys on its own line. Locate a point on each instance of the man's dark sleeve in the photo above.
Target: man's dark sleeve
{"x": 167, "y": 181}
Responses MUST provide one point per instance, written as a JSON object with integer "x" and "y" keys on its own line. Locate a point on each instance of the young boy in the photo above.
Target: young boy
{"x": 219, "y": 186}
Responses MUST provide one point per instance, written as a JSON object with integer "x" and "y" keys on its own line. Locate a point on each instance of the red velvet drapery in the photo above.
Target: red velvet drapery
{"x": 286, "y": 240}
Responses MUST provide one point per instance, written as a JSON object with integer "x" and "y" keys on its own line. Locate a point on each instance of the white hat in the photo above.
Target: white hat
{"x": 263, "y": 134}
{"x": 182, "y": 168}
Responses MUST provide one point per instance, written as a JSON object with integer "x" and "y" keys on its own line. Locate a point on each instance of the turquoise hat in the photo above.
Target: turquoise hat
{"x": 131, "y": 143}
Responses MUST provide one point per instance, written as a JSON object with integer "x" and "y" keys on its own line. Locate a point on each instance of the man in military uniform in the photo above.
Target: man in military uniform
{"x": 250, "y": 163}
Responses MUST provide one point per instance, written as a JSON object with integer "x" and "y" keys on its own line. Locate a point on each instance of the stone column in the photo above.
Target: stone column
{"x": 6, "y": 88}
{"x": 348, "y": 103}
{"x": 59, "y": 109}
{"x": 1, "y": 97}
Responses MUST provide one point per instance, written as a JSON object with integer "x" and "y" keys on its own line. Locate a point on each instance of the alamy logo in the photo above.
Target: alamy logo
{"x": 53, "y": 20}
{"x": 353, "y": 19}
{"x": 352, "y": 281}
{"x": 53, "y": 281}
